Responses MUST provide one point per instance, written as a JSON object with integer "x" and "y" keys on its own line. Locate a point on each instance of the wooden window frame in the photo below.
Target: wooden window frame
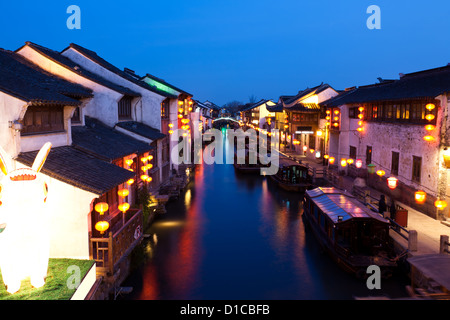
{"x": 416, "y": 169}
{"x": 124, "y": 108}
{"x": 43, "y": 119}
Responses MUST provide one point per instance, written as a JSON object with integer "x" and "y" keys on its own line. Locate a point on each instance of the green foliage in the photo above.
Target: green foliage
{"x": 55, "y": 287}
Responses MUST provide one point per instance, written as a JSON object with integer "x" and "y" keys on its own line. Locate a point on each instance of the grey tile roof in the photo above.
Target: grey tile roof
{"x": 105, "y": 64}
{"x": 74, "y": 67}
{"x": 141, "y": 129}
{"x": 425, "y": 84}
{"x": 104, "y": 142}
{"x": 26, "y": 81}
{"x": 79, "y": 169}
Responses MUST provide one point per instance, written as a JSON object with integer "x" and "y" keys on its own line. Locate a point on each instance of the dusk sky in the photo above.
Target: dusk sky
{"x": 230, "y": 50}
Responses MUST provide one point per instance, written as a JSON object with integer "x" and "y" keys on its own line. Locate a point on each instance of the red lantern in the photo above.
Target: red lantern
{"x": 358, "y": 163}
{"x": 420, "y": 196}
{"x": 392, "y": 183}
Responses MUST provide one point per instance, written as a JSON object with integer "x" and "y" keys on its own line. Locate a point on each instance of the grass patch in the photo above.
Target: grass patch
{"x": 55, "y": 287}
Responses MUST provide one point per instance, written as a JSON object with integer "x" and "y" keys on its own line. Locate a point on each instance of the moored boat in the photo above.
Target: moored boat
{"x": 292, "y": 176}
{"x": 354, "y": 236}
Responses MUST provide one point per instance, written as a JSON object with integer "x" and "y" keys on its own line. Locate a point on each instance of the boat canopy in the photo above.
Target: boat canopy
{"x": 341, "y": 206}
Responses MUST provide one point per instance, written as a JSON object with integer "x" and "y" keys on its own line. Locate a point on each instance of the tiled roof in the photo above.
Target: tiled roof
{"x": 26, "y": 81}
{"x": 166, "y": 83}
{"x": 105, "y": 64}
{"x": 79, "y": 169}
{"x": 141, "y": 129}
{"x": 75, "y": 68}
{"x": 419, "y": 85}
{"x": 106, "y": 143}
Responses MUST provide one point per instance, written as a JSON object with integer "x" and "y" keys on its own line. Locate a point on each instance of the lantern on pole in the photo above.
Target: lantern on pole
{"x": 371, "y": 168}
{"x": 381, "y": 173}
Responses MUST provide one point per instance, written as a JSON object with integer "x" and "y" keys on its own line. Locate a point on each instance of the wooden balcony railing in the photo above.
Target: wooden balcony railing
{"x": 108, "y": 252}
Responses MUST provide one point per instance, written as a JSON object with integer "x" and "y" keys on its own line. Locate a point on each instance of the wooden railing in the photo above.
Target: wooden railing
{"x": 108, "y": 252}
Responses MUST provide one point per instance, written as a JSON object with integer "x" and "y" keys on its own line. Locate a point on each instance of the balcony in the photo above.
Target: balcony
{"x": 122, "y": 238}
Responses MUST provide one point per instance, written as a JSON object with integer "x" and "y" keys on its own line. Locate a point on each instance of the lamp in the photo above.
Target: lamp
{"x": 343, "y": 163}
{"x": 331, "y": 160}
{"x": 420, "y": 196}
{"x": 102, "y": 226}
{"x": 358, "y": 163}
{"x": 371, "y": 168}
{"x": 380, "y": 173}
{"x": 446, "y": 156}
{"x": 440, "y": 204}
{"x": 392, "y": 182}
{"x": 101, "y": 207}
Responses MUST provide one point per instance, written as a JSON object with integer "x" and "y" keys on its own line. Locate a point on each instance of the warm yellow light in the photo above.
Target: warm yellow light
{"x": 180, "y": 110}
{"x": 180, "y": 115}
{"x": 429, "y": 127}
{"x": 326, "y": 156}
{"x": 360, "y": 116}
{"x": 327, "y": 118}
{"x": 129, "y": 162}
{"x": 144, "y": 177}
{"x": 101, "y": 207}
{"x": 343, "y": 162}
{"x": 102, "y": 226}
{"x": 180, "y": 103}
{"x": 429, "y": 117}
{"x": 124, "y": 207}
{"x": 328, "y": 111}
{"x": 440, "y": 204}
{"x": 170, "y": 125}
{"x": 381, "y": 173}
{"x": 170, "y": 131}
{"x": 311, "y": 150}
{"x": 350, "y": 161}
{"x": 336, "y": 124}
{"x": 360, "y": 109}
{"x": 149, "y": 179}
{"x": 336, "y": 111}
{"x": 428, "y": 138}
{"x": 130, "y": 182}
{"x": 420, "y": 196}
{"x": 305, "y": 148}
{"x": 150, "y": 158}
{"x": 123, "y": 193}
{"x": 360, "y": 129}
{"x": 430, "y": 106}
{"x": 336, "y": 118}
{"x": 319, "y": 133}
{"x": 331, "y": 160}
{"x": 360, "y": 123}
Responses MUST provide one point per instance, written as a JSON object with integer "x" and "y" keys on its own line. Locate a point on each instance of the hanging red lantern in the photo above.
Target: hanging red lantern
{"x": 392, "y": 182}
{"x": 358, "y": 163}
{"x": 420, "y": 196}
{"x": 101, "y": 207}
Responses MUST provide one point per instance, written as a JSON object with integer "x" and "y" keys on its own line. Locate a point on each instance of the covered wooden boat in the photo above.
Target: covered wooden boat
{"x": 247, "y": 164}
{"x": 355, "y": 236}
{"x": 292, "y": 176}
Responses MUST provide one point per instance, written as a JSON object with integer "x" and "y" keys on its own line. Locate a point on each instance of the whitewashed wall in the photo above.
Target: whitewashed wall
{"x": 150, "y": 113}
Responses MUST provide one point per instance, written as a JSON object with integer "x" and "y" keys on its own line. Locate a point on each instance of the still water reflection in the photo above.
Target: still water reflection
{"x": 238, "y": 236}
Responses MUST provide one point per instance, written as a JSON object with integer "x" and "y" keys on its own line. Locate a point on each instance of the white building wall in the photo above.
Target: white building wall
{"x": 150, "y": 113}
{"x": 104, "y": 104}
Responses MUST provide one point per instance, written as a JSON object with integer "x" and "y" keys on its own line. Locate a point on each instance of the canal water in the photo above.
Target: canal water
{"x": 233, "y": 236}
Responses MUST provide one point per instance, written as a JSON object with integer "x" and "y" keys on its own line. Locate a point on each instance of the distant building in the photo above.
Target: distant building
{"x": 401, "y": 128}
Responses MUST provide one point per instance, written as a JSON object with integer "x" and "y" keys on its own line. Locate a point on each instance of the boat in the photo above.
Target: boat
{"x": 352, "y": 234}
{"x": 292, "y": 176}
{"x": 244, "y": 165}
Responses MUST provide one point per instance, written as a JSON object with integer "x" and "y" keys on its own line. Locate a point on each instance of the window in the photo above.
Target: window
{"x": 368, "y": 155}
{"x": 352, "y": 152}
{"x": 416, "y": 169}
{"x": 43, "y": 119}
{"x": 353, "y": 113}
{"x": 76, "y": 118}
{"x": 165, "y": 109}
{"x": 394, "y": 162}
{"x": 125, "y": 108}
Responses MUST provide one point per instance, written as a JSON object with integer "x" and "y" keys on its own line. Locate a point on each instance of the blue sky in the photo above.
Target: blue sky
{"x": 230, "y": 50}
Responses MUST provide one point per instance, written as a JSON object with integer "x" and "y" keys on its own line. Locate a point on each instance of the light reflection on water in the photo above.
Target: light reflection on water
{"x": 238, "y": 236}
